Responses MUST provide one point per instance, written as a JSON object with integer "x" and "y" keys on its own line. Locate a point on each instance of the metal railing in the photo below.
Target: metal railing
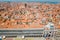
{"x": 35, "y": 32}
{"x": 32, "y": 33}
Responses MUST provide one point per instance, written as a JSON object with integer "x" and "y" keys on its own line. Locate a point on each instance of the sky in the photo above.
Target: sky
{"x": 34, "y": 0}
